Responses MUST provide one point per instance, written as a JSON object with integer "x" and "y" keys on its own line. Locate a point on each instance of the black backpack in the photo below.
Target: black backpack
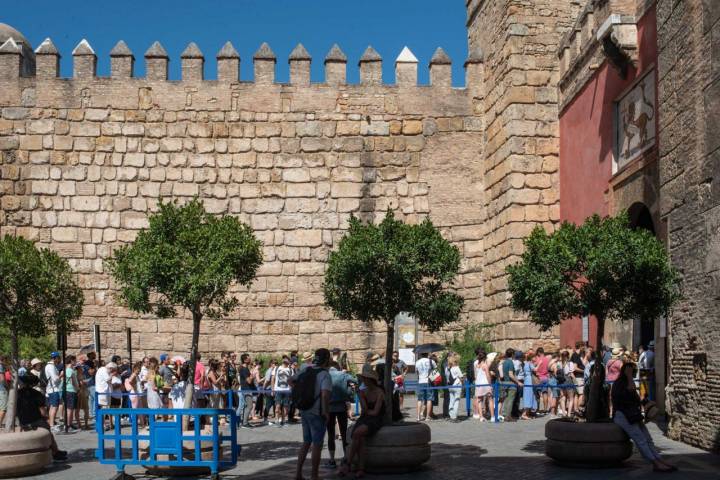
{"x": 43, "y": 379}
{"x": 470, "y": 371}
{"x": 560, "y": 375}
{"x": 303, "y": 390}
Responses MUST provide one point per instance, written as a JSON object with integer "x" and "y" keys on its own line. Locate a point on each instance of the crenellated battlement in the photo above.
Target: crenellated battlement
{"x": 192, "y": 60}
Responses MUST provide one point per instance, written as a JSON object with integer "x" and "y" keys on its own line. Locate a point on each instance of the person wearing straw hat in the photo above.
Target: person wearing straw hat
{"x": 372, "y": 403}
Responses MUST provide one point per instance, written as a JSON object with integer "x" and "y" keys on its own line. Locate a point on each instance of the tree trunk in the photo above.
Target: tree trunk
{"x": 387, "y": 377}
{"x": 12, "y": 396}
{"x": 189, "y": 388}
{"x": 596, "y": 409}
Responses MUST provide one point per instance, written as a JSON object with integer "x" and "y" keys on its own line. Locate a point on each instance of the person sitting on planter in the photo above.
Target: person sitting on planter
{"x": 31, "y": 411}
{"x": 372, "y": 402}
{"x": 628, "y": 416}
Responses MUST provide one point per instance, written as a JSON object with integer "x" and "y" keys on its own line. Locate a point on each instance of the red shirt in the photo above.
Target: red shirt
{"x": 542, "y": 367}
{"x": 199, "y": 373}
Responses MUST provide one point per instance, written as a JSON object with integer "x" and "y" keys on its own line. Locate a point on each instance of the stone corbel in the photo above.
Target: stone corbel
{"x": 618, "y": 36}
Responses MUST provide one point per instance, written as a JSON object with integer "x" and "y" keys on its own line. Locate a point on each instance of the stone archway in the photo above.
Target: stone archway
{"x": 640, "y": 217}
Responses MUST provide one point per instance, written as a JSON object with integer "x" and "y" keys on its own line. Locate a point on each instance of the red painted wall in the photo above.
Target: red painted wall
{"x": 587, "y": 142}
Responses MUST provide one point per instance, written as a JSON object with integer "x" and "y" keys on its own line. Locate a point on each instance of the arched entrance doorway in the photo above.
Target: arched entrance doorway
{"x": 640, "y": 218}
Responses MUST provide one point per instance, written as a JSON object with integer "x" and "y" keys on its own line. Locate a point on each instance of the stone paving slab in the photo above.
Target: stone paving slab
{"x": 459, "y": 451}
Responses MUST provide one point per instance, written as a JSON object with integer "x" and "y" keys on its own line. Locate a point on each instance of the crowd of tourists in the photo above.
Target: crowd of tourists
{"x": 63, "y": 394}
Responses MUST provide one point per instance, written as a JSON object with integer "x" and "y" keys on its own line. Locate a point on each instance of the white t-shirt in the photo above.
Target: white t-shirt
{"x": 282, "y": 374}
{"x": 569, "y": 371}
{"x": 102, "y": 385}
{"x": 457, "y": 376}
{"x": 177, "y": 395}
{"x": 53, "y": 379}
{"x": 423, "y": 368}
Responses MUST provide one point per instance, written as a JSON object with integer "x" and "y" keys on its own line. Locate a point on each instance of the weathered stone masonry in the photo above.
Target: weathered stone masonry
{"x": 689, "y": 96}
{"x": 86, "y": 159}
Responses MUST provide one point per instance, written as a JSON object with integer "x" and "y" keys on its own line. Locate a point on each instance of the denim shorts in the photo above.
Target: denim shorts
{"x": 53, "y": 399}
{"x": 282, "y": 399}
{"x": 424, "y": 394}
{"x": 313, "y": 427}
{"x": 71, "y": 400}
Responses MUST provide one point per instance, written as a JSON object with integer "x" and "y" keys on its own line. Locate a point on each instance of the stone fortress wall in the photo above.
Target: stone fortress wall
{"x": 518, "y": 40}
{"x": 86, "y": 159}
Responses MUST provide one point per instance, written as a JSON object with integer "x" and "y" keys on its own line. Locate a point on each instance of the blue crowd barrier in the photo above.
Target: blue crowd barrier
{"x": 166, "y": 438}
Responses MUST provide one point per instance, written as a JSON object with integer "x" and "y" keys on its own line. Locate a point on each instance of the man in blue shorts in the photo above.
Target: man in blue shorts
{"x": 315, "y": 416}
{"x": 52, "y": 390}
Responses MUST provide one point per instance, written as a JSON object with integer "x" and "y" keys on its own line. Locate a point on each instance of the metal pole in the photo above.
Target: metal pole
{"x": 96, "y": 340}
{"x": 128, "y": 335}
{"x": 63, "y": 347}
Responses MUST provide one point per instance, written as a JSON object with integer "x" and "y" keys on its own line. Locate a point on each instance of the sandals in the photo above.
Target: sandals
{"x": 344, "y": 469}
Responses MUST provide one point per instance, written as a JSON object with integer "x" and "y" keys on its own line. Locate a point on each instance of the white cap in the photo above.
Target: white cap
{"x": 35, "y": 361}
{"x": 111, "y": 365}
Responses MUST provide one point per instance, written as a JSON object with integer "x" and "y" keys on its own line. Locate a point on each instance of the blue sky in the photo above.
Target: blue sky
{"x": 388, "y": 25}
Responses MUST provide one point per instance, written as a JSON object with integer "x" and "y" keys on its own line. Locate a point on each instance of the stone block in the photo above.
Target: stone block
{"x": 303, "y": 238}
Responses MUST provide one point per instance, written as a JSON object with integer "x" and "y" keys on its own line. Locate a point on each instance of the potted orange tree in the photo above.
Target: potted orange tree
{"x": 376, "y": 273}
{"x": 605, "y": 269}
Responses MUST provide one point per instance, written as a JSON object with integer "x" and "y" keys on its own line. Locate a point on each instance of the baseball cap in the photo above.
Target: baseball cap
{"x": 335, "y": 350}
{"x": 163, "y": 357}
{"x": 54, "y": 355}
{"x": 115, "y": 359}
{"x": 35, "y": 361}
{"x": 112, "y": 365}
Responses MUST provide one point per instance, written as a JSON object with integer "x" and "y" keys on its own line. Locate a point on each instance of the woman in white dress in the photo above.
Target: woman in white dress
{"x": 483, "y": 392}
{"x": 151, "y": 388}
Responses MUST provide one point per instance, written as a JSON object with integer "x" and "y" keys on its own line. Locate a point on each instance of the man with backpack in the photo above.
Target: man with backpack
{"x": 311, "y": 391}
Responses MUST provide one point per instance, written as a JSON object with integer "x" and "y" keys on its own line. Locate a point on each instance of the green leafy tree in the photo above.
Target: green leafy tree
{"x": 602, "y": 268}
{"x": 377, "y": 272}
{"x": 186, "y": 259}
{"x": 464, "y": 343}
{"x": 38, "y": 292}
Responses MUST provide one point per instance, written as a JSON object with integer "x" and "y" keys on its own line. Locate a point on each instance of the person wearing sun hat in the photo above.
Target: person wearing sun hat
{"x": 31, "y": 411}
{"x": 372, "y": 403}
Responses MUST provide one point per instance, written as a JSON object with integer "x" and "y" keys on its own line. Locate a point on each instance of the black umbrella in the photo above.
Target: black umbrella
{"x": 429, "y": 348}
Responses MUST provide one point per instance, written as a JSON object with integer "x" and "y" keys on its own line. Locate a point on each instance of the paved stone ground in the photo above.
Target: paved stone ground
{"x": 459, "y": 451}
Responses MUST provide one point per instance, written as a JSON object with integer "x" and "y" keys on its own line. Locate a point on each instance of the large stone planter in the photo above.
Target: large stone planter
{"x": 399, "y": 448}
{"x": 586, "y": 444}
{"x": 25, "y": 453}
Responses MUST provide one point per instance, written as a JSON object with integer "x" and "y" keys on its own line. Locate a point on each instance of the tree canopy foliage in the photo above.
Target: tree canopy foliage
{"x": 187, "y": 258}
{"x": 379, "y": 271}
{"x": 602, "y": 267}
{"x": 37, "y": 289}
{"x": 38, "y": 293}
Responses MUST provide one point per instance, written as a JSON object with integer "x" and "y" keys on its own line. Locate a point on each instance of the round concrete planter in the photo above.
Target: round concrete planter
{"x": 401, "y": 447}
{"x": 586, "y": 444}
{"x": 25, "y": 453}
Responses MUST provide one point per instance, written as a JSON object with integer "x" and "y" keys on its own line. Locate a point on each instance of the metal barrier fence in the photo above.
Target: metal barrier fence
{"x": 409, "y": 386}
{"x": 165, "y": 443}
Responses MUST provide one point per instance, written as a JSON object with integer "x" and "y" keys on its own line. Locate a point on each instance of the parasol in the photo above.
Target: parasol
{"x": 429, "y": 348}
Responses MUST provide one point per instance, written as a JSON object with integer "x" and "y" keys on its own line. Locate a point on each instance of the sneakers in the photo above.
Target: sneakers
{"x": 331, "y": 464}
{"x": 55, "y": 429}
{"x": 476, "y": 416}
